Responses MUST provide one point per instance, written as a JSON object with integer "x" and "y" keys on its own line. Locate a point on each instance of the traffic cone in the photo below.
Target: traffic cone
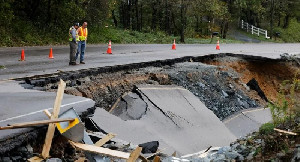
{"x": 22, "y": 55}
{"x": 218, "y": 45}
{"x": 51, "y": 54}
{"x": 174, "y": 45}
{"x": 109, "y": 48}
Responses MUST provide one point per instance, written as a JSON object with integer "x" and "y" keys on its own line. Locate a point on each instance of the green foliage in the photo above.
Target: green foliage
{"x": 292, "y": 33}
{"x": 103, "y": 35}
{"x": 2, "y": 67}
{"x": 6, "y": 14}
{"x": 40, "y": 22}
{"x": 287, "y": 107}
{"x": 266, "y": 129}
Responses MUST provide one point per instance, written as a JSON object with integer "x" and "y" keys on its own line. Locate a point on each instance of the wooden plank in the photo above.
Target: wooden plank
{"x": 35, "y": 123}
{"x": 174, "y": 154}
{"x": 156, "y": 159}
{"x": 51, "y": 127}
{"x": 135, "y": 154}
{"x": 159, "y": 151}
{"x": 100, "y": 150}
{"x": 82, "y": 159}
{"x": 35, "y": 159}
{"x": 286, "y": 132}
{"x": 105, "y": 139}
{"x": 143, "y": 158}
{"x": 47, "y": 113}
{"x": 116, "y": 103}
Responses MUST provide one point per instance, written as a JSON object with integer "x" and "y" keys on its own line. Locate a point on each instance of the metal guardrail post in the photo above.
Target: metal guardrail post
{"x": 266, "y": 32}
{"x": 251, "y": 29}
{"x": 242, "y": 24}
{"x": 257, "y": 31}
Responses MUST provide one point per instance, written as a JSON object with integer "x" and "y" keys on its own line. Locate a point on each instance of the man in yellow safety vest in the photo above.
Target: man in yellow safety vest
{"x": 73, "y": 39}
{"x": 83, "y": 33}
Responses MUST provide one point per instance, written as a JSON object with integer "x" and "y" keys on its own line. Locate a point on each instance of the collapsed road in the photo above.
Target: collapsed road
{"x": 217, "y": 82}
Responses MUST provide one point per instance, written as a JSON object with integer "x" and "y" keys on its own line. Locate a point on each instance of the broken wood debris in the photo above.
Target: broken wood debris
{"x": 286, "y": 132}
{"x": 51, "y": 127}
{"x": 36, "y": 123}
{"x": 105, "y": 139}
{"x": 158, "y": 152}
{"x": 35, "y": 159}
{"x": 108, "y": 152}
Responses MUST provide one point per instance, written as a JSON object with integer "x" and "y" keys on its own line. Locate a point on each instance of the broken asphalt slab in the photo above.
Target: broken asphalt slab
{"x": 171, "y": 115}
{"x": 22, "y": 105}
{"x": 248, "y": 121}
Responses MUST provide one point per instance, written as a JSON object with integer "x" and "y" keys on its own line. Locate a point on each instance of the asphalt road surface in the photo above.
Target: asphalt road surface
{"x": 37, "y": 61}
{"x": 17, "y": 104}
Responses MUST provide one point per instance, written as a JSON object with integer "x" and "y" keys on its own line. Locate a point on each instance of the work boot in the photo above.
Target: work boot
{"x": 72, "y": 63}
{"x": 81, "y": 62}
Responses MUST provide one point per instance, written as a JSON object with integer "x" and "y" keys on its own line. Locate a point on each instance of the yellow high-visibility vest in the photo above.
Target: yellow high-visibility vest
{"x": 70, "y": 35}
{"x": 83, "y": 34}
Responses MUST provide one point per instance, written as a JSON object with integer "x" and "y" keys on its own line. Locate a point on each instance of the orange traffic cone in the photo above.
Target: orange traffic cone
{"x": 22, "y": 55}
{"x": 109, "y": 48}
{"x": 51, "y": 54}
{"x": 218, "y": 45}
{"x": 174, "y": 45}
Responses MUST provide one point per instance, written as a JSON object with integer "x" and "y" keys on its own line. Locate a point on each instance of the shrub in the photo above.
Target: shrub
{"x": 292, "y": 33}
{"x": 266, "y": 129}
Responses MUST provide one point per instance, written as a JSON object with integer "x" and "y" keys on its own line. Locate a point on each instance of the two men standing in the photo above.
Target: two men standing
{"x": 77, "y": 35}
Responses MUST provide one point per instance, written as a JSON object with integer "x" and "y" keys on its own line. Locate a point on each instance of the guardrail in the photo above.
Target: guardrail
{"x": 254, "y": 30}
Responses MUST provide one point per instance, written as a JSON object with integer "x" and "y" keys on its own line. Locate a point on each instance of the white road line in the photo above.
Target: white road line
{"x": 240, "y": 113}
{"x": 162, "y": 88}
{"x": 43, "y": 110}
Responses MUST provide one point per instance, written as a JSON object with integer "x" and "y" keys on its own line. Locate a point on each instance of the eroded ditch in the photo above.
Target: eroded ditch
{"x": 219, "y": 81}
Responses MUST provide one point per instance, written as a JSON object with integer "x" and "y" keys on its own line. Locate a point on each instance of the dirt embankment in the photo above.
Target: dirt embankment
{"x": 269, "y": 73}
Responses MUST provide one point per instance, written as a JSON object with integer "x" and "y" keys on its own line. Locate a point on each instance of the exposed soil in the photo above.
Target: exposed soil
{"x": 269, "y": 74}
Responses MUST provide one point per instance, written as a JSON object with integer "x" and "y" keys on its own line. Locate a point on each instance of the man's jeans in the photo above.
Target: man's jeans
{"x": 73, "y": 49}
{"x": 80, "y": 50}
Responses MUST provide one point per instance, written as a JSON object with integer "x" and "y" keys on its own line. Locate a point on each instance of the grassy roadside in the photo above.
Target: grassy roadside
{"x": 261, "y": 37}
{"x": 97, "y": 35}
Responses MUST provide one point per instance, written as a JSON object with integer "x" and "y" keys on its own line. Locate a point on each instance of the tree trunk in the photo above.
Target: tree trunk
{"x": 137, "y": 14}
{"x": 154, "y": 12}
{"x": 128, "y": 14}
{"x": 141, "y": 17}
{"x": 182, "y": 17}
{"x": 286, "y": 21}
{"x": 114, "y": 18}
{"x": 272, "y": 19}
{"x": 49, "y": 13}
{"x": 167, "y": 18}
